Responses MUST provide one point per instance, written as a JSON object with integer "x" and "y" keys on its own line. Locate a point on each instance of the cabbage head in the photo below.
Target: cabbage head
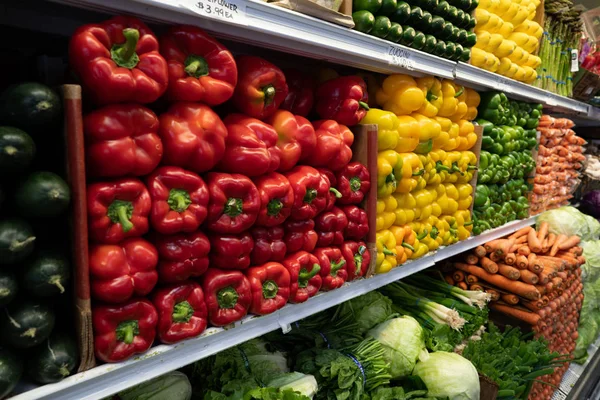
{"x": 570, "y": 221}
{"x": 403, "y": 341}
{"x": 448, "y": 375}
{"x": 591, "y": 268}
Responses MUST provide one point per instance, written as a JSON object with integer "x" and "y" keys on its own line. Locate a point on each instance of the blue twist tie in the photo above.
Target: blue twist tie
{"x": 325, "y": 339}
{"x": 245, "y": 358}
{"x": 360, "y": 367}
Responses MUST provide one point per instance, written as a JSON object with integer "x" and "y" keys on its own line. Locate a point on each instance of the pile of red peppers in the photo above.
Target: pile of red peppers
{"x": 197, "y": 218}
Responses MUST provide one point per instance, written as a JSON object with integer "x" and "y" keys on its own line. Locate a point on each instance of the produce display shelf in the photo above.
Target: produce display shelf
{"x": 108, "y": 379}
{"x": 265, "y": 25}
{"x": 568, "y": 388}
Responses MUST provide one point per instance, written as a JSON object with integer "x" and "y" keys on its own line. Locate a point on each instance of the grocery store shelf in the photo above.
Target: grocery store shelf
{"x": 579, "y": 381}
{"x": 109, "y": 379}
{"x": 273, "y": 27}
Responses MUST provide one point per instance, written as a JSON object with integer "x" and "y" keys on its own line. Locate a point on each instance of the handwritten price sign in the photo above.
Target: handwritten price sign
{"x": 400, "y": 57}
{"x": 225, "y": 10}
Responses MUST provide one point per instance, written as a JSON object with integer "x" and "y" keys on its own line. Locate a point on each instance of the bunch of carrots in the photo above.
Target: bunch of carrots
{"x": 560, "y": 157}
{"x": 533, "y": 276}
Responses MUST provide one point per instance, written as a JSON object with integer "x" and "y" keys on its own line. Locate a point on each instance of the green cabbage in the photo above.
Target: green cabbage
{"x": 368, "y": 310}
{"x": 296, "y": 381}
{"x": 570, "y": 221}
{"x": 448, "y": 375}
{"x": 403, "y": 340}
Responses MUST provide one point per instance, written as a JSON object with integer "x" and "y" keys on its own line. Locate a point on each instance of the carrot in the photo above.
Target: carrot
{"x": 471, "y": 279}
{"x": 458, "y": 276}
{"x": 471, "y": 259}
{"x": 559, "y": 239}
{"x": 510, "y": 272}
{"x": 570, "y": 242}
{"x": 534, "y": 243}
{"x": 525, "y": 316}
{"x": 480, "y": 251}
{"x": 462, "y": 285}
{"x": 521, "y": 240}
{"x": 476, "y": 286}
{"x": 524, "y": 250}
{"x": 529, "y": 277}
{"x": 557, "y": 282}
{"x": 521, "y": 262}
{"x": 520, "y": 232}
{"x": 449, "y": 280}
{"x": 545, "y": 300}
{"x": 489, "y": 265}
{"x": 545, "y": 246}
{"x": 551, "y": 239}
{"x": 519, "y": 288}
{"x": 531, "y": 263}
{"x": 533, "y": 305}
{"x": 494, "y": 293}
{"x": 510, "y": 258}
{"x": 510, "y": 299}
{"x": 495, "y": 257}
{"x": 543, "y": 231}
{"x": 541, "y": 289}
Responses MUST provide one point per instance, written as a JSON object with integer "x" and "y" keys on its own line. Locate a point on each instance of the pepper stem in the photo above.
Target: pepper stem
{"x": 16, "y": 245}
{"x": 387, "y": 251}
{"x": 304, "y": 276}
{"x": 434, "y": 233}
{"x": 274, "y": 207}
{"x": 120, "y": 212}
{"x": 460, "y": 92}
{"x": 336, "y": 265}
{"x": 355, "y": 184}
{"x": 182, "y": 312}
{"x": 196, "y": 66}
{"x": 358, "y": 260}
{"x": 422, "y": 235}
{"x": 233, "y": 207}
{"x": 127, "y": 330}
{"x": 124, "y": 54}
{"x": 227, "y": 297}
{"x": 64, "y": 371}
{"x": 269, "y": 93}
{"x": 270, "y": 289}
{"x": 336, "y": 192}
{"x": 310, "y": 195}
{"x": 179, "y": 200}
{"x": 408, "y": 246}
{"x": 441, "y": 167}
{"x": 419, "y": 172}
{"x": 55, "y": 280}
{"x": 364, "y": 105}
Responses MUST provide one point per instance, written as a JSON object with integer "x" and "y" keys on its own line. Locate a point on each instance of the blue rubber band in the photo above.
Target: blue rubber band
{"x": 324, "y": 339}
{"x": 360, "y": 367}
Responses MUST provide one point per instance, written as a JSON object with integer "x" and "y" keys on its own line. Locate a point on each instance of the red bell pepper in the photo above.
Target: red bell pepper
{"x": 227, "y": 294}
{"x": 333, "y": 192}
{"x": 344, "y": 99}
{"x": 121, "y": 271}
{"x": 330, "y": 226}
{"x": 117, "y": 210}
{"x": 270, "y": 286}
{"x": 193, "y": 136}
{"x": 121, "y": 139}
{"x": 357, "y": 258}
{"x": 333, "y": 267}
{"x": 268, "y": 245}
{"x": 358, "y": 222}
{"x": 353, "y": 182}
{"x": 311, "y": 190}
{"x": 229, "y": 251}
{"x": 305, "y": 280}
{"x": 261, "y": 87}
{"x": 301, "y": 92}
{"x": 234, "y": 202}
{"x": 250, "y": 147}
{"x": 333, "y": 145}
{"x": 118, "y": 61}
{"x": 300, "y": 235}
{"x": 122, "y": 330}
{"x": 296, "y": 137}
{"x": 276, "y": 199}
{"x": 181, "y": 312}
{"x": 181, "y": 256}
{"x": 179, "y": 200}
{"x": 201, "y": 69}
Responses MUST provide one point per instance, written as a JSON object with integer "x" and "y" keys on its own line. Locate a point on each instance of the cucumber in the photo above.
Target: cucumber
{"x": 53, "y": 360}
{"x": 46, "y": 275}
{"x": 30, "y": 106}
{"x": 26, "y": 324}
{"x": 16, "y": 241}
{"x": 17, "y": 150}
{"x": 42, "y": 194}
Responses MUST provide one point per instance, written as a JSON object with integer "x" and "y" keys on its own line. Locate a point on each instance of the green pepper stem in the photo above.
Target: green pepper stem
{"x": 355, "y": 183}
{"x": 269, "y": 94}
{"x": 63, "y": 371}
{"x": 358, "y": 260}
{"x": 310, "y": 195}
{"x": 182, "y": 312}
{"x": 17, "y": 245}
{"x": 127, "y": 330}
{"x": 364, "y": 105}
{"x": 423, "y": 234}
{"x": 55, "y": 280}
{"x": 460, "y": 91}
{"x": 336, "y": 192}
{"x": 233, "y": 207}
{"x": 441, "y": 167}
{"x": 387, "y": 251}
{"x": 196, "y": 66}
{"x": 270, "y": 289}
{"x": 336, "y": 265}
{"x": 120, "y": 212}
{"x": 124, "y": 54}
{"x": 408, "y": 246}
{"x": 274, "y": 207}
{"x": 304, "y": 276}
{"x": 227, "y": 297}
{"x": 179, "y": 200}
{"x": 434, "y": 232}
{"x": 419, "y": 172}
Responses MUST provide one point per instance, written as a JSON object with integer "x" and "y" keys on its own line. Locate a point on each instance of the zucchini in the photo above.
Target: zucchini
{"x": 26, "y": 324}
{"x": 42, "y": 194}
{"x": 17, "y": 150}
{"x": 11, "y": 368}
{"x": 53, "y": 360}
{"x": 395, "y": 33}
{"x": 402, "y": 13}
{"x": 31, "y": 106}
{"x": 8, "y": 287}
{"x": 416, "y": 15}
{"x": 388, "y": 7}
{"x": 16, "y": 240}
{"x": 46, "y": 275}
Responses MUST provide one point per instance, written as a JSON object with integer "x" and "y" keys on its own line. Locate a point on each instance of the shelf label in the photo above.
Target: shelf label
{"x": 574, "y": 60}
{"x": 400, "y": 57}
{"x": 225, "y": 10}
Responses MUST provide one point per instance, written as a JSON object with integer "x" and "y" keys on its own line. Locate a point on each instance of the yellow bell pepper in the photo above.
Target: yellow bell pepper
{"x": 420, "y": 250}
{"x": 387, "y": 128}
{"x": 453, "y": 197}
{"x": 409, "y": 241}
{"x": 450, "y": 92}
{"x": 467, "y": 135}
{"x": 467, "y": 165}
{"x": 409, "y": 129}
{"x": 473, "y": 100}
{"x": 389, "y": 170}
{"x": 423, "y": 199}
{"x": 412, "y": 169}
{"x": 438, "y": 232}
{"x": 453, "y": 138}
{"x": 386, "y": 255}
{"x": 429, "y": 130}
{"x": 450, "y": 235}
{"x": 399, "y": 94}
{"x": 462, "y": 108}
{"x": 432, "y": 92}
{"x": 419, "y": 232}
{"x": 439, "y": 158}
{"x": 405, "y": 209}
{"x": 451, "y": 162}
{"x": 403, "y": 249}
{"x": 386, "y": 216}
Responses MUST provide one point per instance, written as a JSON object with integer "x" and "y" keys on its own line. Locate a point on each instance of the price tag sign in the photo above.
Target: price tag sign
{"x": 400, "y": 57}
{"x": 574, "y": 60}
{"x": 225, "y": 10}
